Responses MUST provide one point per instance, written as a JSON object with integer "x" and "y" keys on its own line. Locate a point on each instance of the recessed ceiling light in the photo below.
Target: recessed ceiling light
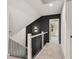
{"x": 51, "y": 4}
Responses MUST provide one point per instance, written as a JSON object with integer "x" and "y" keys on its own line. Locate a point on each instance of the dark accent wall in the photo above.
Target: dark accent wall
{"x": 43, "y": 25}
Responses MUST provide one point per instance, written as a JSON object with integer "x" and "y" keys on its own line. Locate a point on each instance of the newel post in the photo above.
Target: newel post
{"x": 29, "y": 46}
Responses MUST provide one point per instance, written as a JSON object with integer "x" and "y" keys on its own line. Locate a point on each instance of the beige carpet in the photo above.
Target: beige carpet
{"x": 50, "y": 51}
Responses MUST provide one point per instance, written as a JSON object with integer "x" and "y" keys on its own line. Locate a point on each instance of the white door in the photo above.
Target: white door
{"x": 54, "y": 31}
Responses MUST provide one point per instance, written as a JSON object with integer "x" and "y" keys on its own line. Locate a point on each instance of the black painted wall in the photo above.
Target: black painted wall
{"x": 43, "y": 25}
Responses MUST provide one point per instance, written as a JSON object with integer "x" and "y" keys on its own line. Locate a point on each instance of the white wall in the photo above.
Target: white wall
{"x": 20, "y": 15}
{"x": 69, "y": 28}
{"x": 20, "y": 37}
{"x": 66, "y": 29}
{"x": 63, "y": 30}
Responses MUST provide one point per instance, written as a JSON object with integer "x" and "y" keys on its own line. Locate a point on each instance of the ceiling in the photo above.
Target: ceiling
{"x": 43, "y": 6}
{"x": 23, "y": 12}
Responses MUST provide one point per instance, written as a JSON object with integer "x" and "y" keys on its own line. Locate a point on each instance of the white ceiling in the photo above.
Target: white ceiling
{"x": 23, "y": 12}
{"x": 44, "y": 8}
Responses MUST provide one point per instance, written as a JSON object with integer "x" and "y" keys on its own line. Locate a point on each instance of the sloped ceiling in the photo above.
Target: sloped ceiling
{"x": 23, "y": 12}
{"x": 20, "y": 15}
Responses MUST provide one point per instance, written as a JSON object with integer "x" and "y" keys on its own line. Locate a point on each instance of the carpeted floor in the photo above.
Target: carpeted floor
{"x": 50, "y": 51}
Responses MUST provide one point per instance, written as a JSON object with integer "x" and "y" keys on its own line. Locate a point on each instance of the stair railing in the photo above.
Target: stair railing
{"x": 29, "y": 48}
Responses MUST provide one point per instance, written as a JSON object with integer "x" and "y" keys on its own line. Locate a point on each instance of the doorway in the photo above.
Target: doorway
{"x": 54, "y": 31}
